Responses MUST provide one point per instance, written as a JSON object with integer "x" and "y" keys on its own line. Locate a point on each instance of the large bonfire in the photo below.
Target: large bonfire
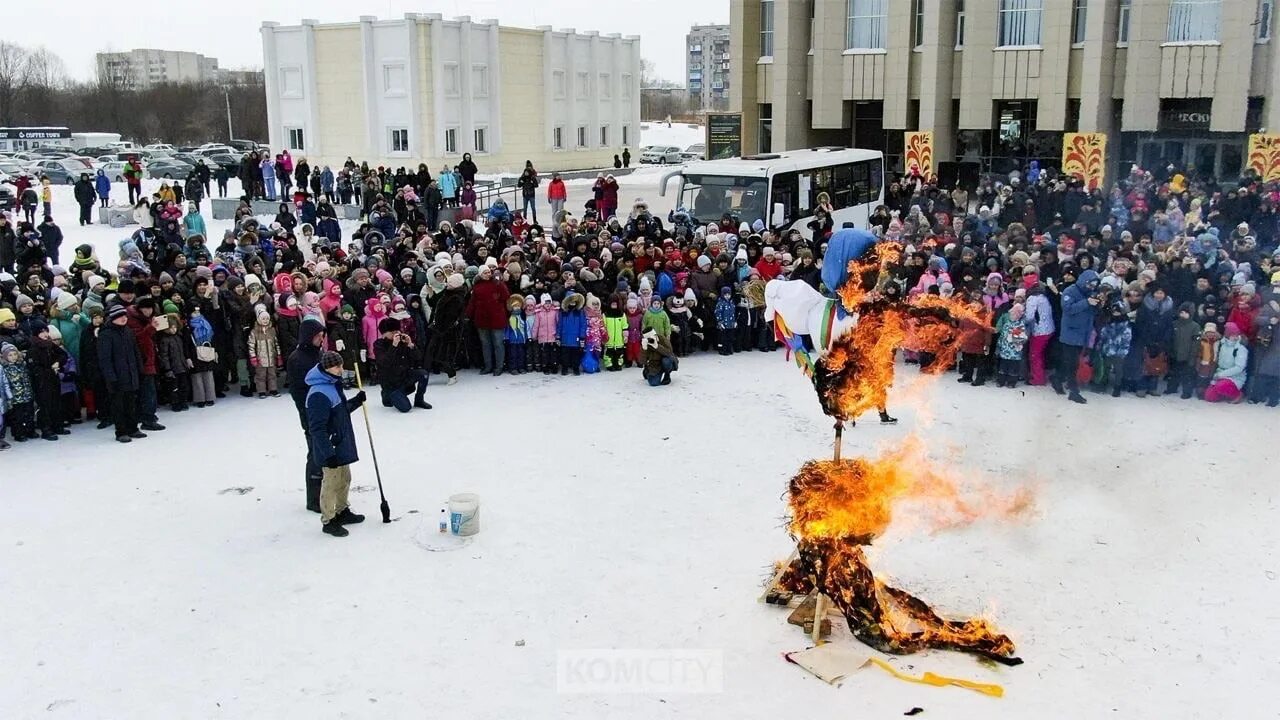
{"x": 840, "y": 506}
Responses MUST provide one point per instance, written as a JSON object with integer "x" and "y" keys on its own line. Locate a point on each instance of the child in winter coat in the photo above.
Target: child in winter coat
{"x": 1114, "y": 342}
{"x": 571, "y": 333}
{"x": 204, "y": 359}
{"x": 44, "y": 361}
{"x": 68, "y": 380}
{"x": 595, "y": 334}
{"x": 17, "y": 401}
{"x": 681, "y": 337}
{"x": 656, "y": 318}
{"x": 1011, "y": 338}
{"x": 516, "y": 336}
{"x": 726, "y": 321}
{"x": 635, "y": 320}
{"x": 751, "y": 324}
{"x": 1233, "y": 359}
{"x": 1206, "y": 356}
{"x": 532, "y": 351}
{"x": 375, "y": 308}
{"x": 615, "y": 327}
{"x": 264, "y": 354}
{"x": 173, "y": 363}
{"x": 1182, "y": 372}
{"x": 975, "y": 340}
{"x": 342, "y": 334}
{"x": 546, "y": 324}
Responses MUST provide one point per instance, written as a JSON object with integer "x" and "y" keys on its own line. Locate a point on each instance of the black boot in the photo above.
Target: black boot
{"x": 152, "y": 426}
{"x": 885, "y": 418}
{"x": 1057, "y": 386}
{"x": 1076, "y": 397}
{"x": 346, "y": 517}
{"x": 418, "y": 402}
{"x": 334, "y": 528}
{"x": 313, "y": 492}
{"x": 104, "y": 424}
{"x": 666, "y": 378}
{"x": 48, "y": 435}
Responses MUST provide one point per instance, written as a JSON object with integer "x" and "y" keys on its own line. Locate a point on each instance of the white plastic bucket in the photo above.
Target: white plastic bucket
{"x": 464, "y": 514}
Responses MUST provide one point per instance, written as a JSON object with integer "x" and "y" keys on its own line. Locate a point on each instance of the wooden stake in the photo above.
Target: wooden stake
{"x": 819, "y": 614}
{"x": 839, "y": 439}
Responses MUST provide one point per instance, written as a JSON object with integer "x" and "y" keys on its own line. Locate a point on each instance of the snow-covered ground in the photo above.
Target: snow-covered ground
{"x": 681, "y": 135}
{"x": 181, "y": 577}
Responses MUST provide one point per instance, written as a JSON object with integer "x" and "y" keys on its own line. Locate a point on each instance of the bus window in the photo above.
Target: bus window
{"x": 821, "y": 184}
{"x": 860, "y": 181}
{"x": 877, "y": 181}
{"x": 786, "y": 188}
{"x": 842, "y": 193}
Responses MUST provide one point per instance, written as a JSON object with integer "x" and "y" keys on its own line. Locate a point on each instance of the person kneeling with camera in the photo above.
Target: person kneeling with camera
{"x": 397, "y": 369}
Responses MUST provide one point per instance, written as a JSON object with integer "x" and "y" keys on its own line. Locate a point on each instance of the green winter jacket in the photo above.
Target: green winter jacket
{"x": 1185, "y": 343}
{"x": 658, "y": 320}
{"x": 615, "y": 329}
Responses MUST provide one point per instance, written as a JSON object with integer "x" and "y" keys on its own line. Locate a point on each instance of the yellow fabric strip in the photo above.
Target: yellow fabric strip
{"x": 940, "y": 680}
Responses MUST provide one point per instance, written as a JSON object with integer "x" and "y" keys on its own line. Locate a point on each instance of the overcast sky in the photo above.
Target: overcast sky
{"x": 228, "y": 29}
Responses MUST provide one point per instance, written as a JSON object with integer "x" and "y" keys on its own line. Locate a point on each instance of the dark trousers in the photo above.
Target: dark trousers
{"x": 1065, "y": 369}
{"x": 973, "y": 367}
{"x": 1181, "y": 375}
{"x": 1265, "y": 388}
{"x": 515, "y": 357}
{"x": 103, "y": 202}
{"x": 571, "y": 358}
{"x": 222, "y": 188}
{"x": 147, "y": 399}
{"x": 667, "y": 366}
{"x": 314, "y": 473}
{"x": 86, "y": 213}
{"x": 135, "y": 193}
{"x": 20, "y": 419}
{"x": 124, "y": 411}
{"x": 398, "y": 396}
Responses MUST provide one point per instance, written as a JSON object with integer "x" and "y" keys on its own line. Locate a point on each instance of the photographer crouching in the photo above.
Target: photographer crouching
{"x": 397, "y": 368}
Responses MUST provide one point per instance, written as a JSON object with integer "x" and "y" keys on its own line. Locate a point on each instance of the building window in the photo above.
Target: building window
{"x": 1194, "y": 20}
{"x": 604, "y": 136}
{"x": 867, "y": 22}
{"x": 451, "y": 141}
{"x": 558, "y": 86}
{"x": 626, "y": 139}
{"x": 482, "y": 144}
{"x": 291, "y": 82}
{"x": 1264, "y": 20}
{"x": 479, "y": 81}
{"x": 557, "y": 138}
{"x": 626, "y": 86}
{"x": 399, "y": 140}
{"x": 1078, "y": 15}
{"x": 959, "y": 23}
{"x": 766, "y": 28}
{"x": 582, "y": 136}
{"x": 1020, "y": 22}
{"x": 393, "y": 79}
{"x": 605, "y": 91}
{"x": 584, "y": 85}
{"x": 452, "y": 87}
{"x": 1122, "y": 25}
{"x": 917, "y": 24}
{"x": 296, "y": 140}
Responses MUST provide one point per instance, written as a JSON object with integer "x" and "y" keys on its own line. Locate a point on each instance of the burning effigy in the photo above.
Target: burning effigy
{"x": 840, "y": 506}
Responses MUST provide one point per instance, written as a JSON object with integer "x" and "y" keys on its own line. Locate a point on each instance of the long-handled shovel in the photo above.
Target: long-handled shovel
{"x": 386, "y": 509}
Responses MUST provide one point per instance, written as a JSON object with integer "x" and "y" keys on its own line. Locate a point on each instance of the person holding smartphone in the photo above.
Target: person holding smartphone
{"x": 397, "y": 370}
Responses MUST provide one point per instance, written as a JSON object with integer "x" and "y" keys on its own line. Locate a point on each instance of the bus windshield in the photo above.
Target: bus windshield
{"x": 709, "y": 197}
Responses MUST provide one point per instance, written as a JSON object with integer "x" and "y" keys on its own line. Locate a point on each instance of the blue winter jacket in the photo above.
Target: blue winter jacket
{"x": 448, "y": 184}
{"x": 573, "y": 328}
{"x": 326, "y": 180}
{"x": 102, "y": 184}
{"x": 666, "y": 286}
{"x": 307, "y": 213}
{"x": 329, "y": 419}
{"x": 1077, "y": 313}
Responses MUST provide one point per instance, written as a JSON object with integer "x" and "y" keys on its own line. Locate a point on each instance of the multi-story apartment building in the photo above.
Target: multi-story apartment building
{"x": 141, "y": 68}
{"x": 707, "y": 66}
{"x": 423, "y": 89}
{"x": 1000, "y": 81}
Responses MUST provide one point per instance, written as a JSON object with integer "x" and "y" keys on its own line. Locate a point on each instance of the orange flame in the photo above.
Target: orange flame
{"x": 839, "y": 506}
{"x": 855, "y": 374}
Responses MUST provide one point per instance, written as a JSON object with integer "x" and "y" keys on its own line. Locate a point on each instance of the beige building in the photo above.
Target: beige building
{"x": 999, "y": 81}
{"x": 423, "y": 89}
{"x": 140, "y": 69}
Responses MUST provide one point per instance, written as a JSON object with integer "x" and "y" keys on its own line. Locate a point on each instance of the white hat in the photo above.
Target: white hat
{"x": 454, "y": 281}
{"x": 768, "y": 250}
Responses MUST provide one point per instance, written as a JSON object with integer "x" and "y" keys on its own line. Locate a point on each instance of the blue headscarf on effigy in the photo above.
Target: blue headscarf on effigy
{"x": 844, "y": 245}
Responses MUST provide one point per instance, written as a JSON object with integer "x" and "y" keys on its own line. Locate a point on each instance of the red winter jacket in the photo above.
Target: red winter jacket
{"x": 145, "y": 333}
{"x": 488, "y": 305}
{"x": 556, "y": 191}
{"x": 768, "y": 270}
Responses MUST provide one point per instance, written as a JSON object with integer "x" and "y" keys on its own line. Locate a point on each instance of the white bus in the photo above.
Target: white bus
{"x": 782, "y": 188}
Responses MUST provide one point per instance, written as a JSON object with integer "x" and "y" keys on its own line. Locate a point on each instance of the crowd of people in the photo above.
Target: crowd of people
{"x": 1162, "y": 285}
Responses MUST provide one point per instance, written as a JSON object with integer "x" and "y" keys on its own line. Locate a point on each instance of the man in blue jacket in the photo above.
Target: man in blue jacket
{"x": 333, "y": 441}
{"x": 1079, "y": 305}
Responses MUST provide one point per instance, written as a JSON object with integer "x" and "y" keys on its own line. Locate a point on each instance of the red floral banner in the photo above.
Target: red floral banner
{"x": 1264, "y": 156}
{"x": 1084, "y": 155}
{"x": 919, "y": 152}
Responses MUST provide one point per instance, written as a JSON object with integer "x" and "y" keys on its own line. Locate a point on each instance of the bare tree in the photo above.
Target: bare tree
{"x": 13, "y": 74}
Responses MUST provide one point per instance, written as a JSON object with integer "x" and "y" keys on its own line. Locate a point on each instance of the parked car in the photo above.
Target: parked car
{"x": 163, "y": 147}
{"x": 168, "y": 169}
{"x": 214, "y": 149}
{"x": 10, "y": 170}
{"x": 8, "y": 196}
{"x": 114, "y": 170}
{"x": 661, "y": 154}
{"x": 697, "y": 151}
{"x": 63, "y": 171}
{"x": 230, "y": 161}
{"x": 188, "y": 158}
{"x": 245, "y": 145}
